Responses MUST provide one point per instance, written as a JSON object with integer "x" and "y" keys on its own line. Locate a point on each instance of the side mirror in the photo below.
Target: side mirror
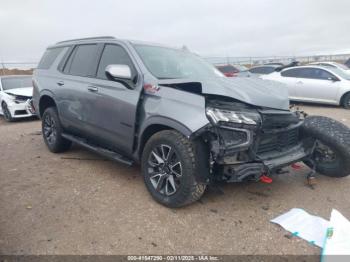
{"x": 121, "y": 72}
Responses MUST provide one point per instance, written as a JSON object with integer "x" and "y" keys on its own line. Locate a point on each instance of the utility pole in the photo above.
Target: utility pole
{"x": 3, "y": 67}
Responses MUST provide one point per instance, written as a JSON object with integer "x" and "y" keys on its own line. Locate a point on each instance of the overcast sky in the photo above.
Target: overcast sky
{"x": 208, "y": 27}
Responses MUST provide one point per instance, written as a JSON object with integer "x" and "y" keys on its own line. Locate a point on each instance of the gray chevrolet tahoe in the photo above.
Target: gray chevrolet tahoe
{"x": 178, "y": 116}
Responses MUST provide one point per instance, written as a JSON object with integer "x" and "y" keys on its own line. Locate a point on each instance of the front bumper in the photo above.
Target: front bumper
{"x": 21, "y": 110}
{"x": 255, "y": 169}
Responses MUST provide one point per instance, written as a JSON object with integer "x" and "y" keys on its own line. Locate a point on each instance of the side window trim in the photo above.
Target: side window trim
{"x": 65, "y": 58}
{"x": 71, "y": 56}
{"x": 69, "y": 59}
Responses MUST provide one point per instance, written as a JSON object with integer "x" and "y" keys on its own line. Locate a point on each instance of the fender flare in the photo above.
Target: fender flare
{"x": 43, "y": 93}
{"x": 157, "y": 120}
{"x": 165, "y": 121}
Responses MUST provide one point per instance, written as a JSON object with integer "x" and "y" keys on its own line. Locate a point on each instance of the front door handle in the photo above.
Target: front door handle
{"x": 60, "y": 83}
{"x": 300, "y": 82}
{"x": 93, "y": 88}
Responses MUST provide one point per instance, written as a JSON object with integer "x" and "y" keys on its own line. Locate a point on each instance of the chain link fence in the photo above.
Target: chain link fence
{"x": 251, "y": 61}
{"x": 6, "y": 67}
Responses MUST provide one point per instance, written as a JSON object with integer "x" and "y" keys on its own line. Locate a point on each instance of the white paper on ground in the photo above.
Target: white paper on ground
{"x": 302, "y": 224}
{"x": 338, "y": 237}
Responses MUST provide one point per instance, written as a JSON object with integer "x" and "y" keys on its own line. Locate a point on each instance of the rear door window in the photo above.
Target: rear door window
{"x": 113, "y": 55}
{"x": 263, "y": 70}
{"x": 82, "y": 61}
{"x": 49, "y": 57}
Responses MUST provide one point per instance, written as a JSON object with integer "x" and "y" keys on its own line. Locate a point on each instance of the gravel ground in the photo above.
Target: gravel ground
{"x": 58, "y": 204}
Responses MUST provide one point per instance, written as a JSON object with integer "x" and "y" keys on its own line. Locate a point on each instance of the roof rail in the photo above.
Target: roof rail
{"x": 87, "y": 38}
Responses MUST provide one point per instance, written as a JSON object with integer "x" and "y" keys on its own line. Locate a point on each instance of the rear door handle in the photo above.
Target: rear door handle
{"x": 93, "y": 88}
{"x": 300, "y": 82}
{"x": 60, "y": 83}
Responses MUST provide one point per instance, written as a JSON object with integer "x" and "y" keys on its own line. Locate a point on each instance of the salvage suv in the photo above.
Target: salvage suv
{"x": 178, "y": 116}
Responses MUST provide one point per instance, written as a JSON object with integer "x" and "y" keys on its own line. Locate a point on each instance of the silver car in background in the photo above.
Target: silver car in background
{"x": 332, "y": 65}
{"x": 318, "y": 84}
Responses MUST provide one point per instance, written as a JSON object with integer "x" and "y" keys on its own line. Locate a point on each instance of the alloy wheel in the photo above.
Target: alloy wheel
{"x": 164, "y": 169}
{"x": 49, "y": 127}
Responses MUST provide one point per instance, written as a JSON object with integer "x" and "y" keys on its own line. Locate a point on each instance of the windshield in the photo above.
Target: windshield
{"x": 168, "y": 63}
{"x": 16, "y": 82}
{"x": 343, "y": 74}
{"x": 344, "y": 67}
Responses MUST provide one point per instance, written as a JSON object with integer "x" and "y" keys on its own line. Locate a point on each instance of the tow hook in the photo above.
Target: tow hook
{"x": 265, "y": 179}
{"x": 296, "y": 166}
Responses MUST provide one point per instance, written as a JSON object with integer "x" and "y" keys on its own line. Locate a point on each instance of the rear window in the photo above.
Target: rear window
{"x": 16, "y": 82}
{"x": 263, "y": 70}
{"x": 49, "y": 57}
{"x": 82, "y": 61}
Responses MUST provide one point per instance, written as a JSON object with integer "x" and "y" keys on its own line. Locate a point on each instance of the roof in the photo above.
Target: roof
{"x": 105, "y": 38}
{"x": 87, "y": 39}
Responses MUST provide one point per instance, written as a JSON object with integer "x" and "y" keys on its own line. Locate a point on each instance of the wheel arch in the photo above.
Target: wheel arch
{"x": 45, "y": 102}
{"x": 155, "y": 125}
{"x": 343, "y": 97}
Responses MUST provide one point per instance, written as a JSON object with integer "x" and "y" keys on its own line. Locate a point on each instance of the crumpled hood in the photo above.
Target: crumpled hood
{"x": 253, "y": 91}
{"x": 23, "y": 91}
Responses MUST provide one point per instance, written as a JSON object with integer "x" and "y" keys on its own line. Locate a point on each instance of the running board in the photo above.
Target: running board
{"x": 100, "y": 150}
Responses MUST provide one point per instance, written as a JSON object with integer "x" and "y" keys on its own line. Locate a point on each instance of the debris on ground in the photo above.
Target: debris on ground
{"x": 337, "y": 237}
{"x": 302, "y": 224}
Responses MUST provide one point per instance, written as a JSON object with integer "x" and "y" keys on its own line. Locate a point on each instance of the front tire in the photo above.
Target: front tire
{"x": 52, "y": 131}
{"x": 169, "y": 165}
{"x": 346, "y": 101}
{"x": 332, "y": 152}
{"x": 6, "y": 112}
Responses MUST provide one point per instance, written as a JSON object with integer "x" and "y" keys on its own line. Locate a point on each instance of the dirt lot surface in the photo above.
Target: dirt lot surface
{"x": 58, "y": 204}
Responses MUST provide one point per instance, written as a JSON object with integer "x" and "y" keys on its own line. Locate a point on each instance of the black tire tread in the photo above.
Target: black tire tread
{"x": 333, "y": 134}
{"x": 345, "y": 101}
{"x": 10, "y": 119}
{"x": 195, "y": 189}
{"x": 61, "y": 144}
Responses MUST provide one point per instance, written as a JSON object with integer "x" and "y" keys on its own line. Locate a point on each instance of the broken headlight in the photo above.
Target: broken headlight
{"x": 217, "y": 115}
{"x": 17, "y": 99}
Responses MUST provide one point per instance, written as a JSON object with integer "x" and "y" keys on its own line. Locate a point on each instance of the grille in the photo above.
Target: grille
{"x": 278, "y": 142}
{"x": 20, "y": 112}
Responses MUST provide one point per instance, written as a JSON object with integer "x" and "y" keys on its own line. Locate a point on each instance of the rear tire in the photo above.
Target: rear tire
{"x": 52, "y": 131}
{"x": 169, "y": 165}
{"x": 332, "y": 153}
{"x": 6, "y": 112}
{"x": 346, "y": 101}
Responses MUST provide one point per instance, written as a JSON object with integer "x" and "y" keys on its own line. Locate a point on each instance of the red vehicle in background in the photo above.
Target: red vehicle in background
{"x": 231, "y": 70}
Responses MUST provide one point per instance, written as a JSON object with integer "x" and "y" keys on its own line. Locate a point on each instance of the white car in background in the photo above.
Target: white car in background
{"x": 15, "y": 97}
{"x": 333, "y": 65}
{"x": 318, "y": 84}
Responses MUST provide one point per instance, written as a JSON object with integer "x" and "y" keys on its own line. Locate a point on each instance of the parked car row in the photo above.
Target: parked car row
{"x": 318, "y": 82}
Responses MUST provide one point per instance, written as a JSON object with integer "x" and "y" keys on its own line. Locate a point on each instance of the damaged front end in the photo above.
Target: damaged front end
{"x": 247, "y": 142}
